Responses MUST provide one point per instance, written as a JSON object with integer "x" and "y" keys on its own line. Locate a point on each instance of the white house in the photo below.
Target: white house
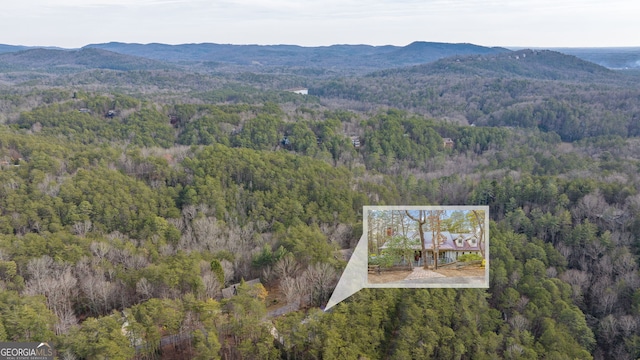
{"x": 301, "y": 91}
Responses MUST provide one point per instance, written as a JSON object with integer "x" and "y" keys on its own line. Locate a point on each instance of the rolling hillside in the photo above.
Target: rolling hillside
{"x": 533, "y": 64}
{"x": 341, "y": 56}
{"x": 52, "y": 60}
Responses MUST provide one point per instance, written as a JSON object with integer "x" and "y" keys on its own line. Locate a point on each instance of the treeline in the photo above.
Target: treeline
{"x": 574, "y": 110}
{"x": 385, "y": 142}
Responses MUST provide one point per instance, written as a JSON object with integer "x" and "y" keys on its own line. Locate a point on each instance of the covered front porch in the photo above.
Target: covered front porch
{"x": 444, "y": 257}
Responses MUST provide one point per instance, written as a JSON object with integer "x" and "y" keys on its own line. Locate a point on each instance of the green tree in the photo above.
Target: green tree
{"x": 308, "y": 244}
{"x": 250, "y": 335}
{"x": 26, "y": 318}
{"x": 401, "y": 247}
{"x": 101, "y": 338}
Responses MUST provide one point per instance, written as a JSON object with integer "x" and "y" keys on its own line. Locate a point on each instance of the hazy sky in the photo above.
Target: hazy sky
{"x": 534, "y": 23}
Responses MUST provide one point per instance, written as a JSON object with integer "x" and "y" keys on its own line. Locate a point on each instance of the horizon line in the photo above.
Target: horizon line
{"x": 509, "y": 47}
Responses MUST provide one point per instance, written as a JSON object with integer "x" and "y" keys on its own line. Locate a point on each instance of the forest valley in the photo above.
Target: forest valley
{"x": 130, "y": 198}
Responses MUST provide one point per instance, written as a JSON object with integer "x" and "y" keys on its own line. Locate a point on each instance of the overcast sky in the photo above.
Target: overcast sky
{"x": 526, "y": 23}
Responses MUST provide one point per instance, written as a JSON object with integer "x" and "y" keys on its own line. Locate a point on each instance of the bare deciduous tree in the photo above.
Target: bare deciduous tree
{"x": 99, "y": 249}
{"x": 38, "y": 270}
{"x": 294, "y": 289}
{"x": 608, "y": 327}
{"x": 577, "y": 278}
{"x": 605, "y": 296}
{"x": 519, "y": 322}
{"x": 627, "y": 324}
{"x": 624, "y": 262}
{"x": 229, "y": 272}
{"x": 57, "y": 283}
{"x": 522, "y": 304}
{"x": 604, "y": 266}
{"x": 287, "y": 266}
{"x": 99, "y": 293}
{"x": 81, "y": 228}
{"x": 320, "y": 279}
{"x": 144, "y": 289}
{"x": 592, "y": 207}
{"x": 421, "y": 220}
{"x": 210, "y": 281}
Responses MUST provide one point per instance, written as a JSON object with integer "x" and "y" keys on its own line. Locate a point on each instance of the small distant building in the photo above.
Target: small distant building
{"x": 233, "y": 289}
{"x": 355, "y": 140}
{"x": 85, "y": 110}
{"x": 301, "y": 91}
{"x": 448, "y": 143}
{"x": 285, "y": 142}
{"x": 15, "y": 158}
{"x": 4, "y": 164}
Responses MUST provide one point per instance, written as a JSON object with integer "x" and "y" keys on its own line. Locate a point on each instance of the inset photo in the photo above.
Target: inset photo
{"x": 427, "y": 246}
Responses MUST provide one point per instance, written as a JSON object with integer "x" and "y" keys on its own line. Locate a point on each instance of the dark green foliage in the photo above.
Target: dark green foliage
{"x": 147, "y": 127}
{"x": 86, "y": 121}
{"x": 469, "y": 257}
{"x": 117, "y": 201}
{"x": 307, "y": 244}
{"x": 302, "y": 139}
{"x": 274, "y": 187}
{"x": 101, "y": 337}
{"x": 206, "y": 125}
{"x": 260, "y": 133}
{"x": 392, "y": 139}
{"x": 217, "y": 270}
{"x": 400, "y": 323}
{"x": 251, "y": 336}
{"x": 178, "y": 272}
{"x": 267, "y": 257}
{"x": 397, "y": 248}
{"x": 563, "y": 117}
{"x": 25, "y": 318}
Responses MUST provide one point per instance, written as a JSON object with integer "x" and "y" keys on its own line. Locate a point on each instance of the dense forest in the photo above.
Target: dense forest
{"x": 129, "y": 199}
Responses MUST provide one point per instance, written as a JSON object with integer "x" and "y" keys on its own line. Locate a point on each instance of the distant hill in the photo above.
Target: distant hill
{"x": 613, "y": 58}
{"x": 526, "y": 88}
{"x": 365, "y": 57}
{"x": 335, "y": 56}
{"x": 424, "y": 52}
{"x": 533, "y": 64}
{"x": 69, "y": 60}
{"x": 11, "y": 48}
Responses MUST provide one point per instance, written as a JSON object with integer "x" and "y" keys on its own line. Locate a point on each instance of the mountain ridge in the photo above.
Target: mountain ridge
{"x": 526, "y": 63}
{"x": 345, "y": 56}
{"x": 354, "y": 56}
{"x": 52, "y": 59}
